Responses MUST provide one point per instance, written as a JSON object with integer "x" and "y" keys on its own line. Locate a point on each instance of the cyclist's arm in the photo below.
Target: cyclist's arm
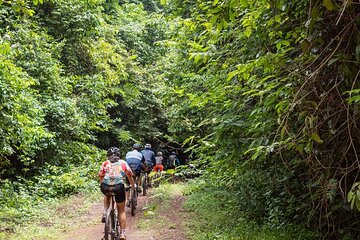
{"x": 130, "y": 178}
{"x": 101, "y": 178}
{"x": 101, "y": 173}
{"x": 129, "y": 175}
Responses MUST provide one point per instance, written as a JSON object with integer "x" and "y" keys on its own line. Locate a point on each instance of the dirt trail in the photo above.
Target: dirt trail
{"x": 165, "y": 224}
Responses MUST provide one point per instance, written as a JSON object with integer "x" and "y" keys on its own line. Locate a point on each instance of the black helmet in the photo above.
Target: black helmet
{"x": 136, "y": 146}
{"x": 113, "y": 151}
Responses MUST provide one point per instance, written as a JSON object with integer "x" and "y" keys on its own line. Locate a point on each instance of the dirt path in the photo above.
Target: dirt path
{"x": 165, "y": 222}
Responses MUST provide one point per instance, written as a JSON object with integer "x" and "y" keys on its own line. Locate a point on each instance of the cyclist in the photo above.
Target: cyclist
{"x": 173, "y": 161}
{"x": 111, "y": 175}
{"x": 136, "y": 162}
{"x": 159, "y": 162}
{"x": 150, "y": 161}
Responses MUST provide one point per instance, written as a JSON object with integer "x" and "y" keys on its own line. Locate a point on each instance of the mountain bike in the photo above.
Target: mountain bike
{"x": 111, "y": 229}
{"x": 156, "y": 177}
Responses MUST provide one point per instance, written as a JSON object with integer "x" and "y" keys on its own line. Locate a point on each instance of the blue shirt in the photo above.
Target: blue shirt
{"x": 134, "y": 159}
{"x": 149, "y": 156}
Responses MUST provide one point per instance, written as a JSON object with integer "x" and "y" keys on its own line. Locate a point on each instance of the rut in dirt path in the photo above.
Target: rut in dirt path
{"x": 166, "y": 222}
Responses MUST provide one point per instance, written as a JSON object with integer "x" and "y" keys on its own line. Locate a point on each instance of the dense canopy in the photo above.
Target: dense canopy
{"x": 262, "y": 95}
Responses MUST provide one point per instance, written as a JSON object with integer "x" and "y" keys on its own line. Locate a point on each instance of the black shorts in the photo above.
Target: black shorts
{"x": 138, "y": 170}
{"x": 118, "y": 189}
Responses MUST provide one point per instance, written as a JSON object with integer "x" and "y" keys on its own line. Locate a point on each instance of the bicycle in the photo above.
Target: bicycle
{"x": 156, "y": 177}
{"x": 111, "y": 229}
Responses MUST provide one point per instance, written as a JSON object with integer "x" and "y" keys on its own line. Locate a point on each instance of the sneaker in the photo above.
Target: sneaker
{"x": 128, "y": 204}
{"x": 122, "y": 237}
{"x": 138, "y": 190}
{"x": 103, "y": 218}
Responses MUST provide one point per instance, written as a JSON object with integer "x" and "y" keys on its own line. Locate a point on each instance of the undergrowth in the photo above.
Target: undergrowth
{"x": 217, "y": 218}
{"x": 32, "y": 201}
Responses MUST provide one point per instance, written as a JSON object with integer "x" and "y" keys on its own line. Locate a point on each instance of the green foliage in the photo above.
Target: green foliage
{"x": 264, "y": 94}
{"x": 353, "y": 196}
{"x": 208, "y": 201}
{"x": 257, "y": 89}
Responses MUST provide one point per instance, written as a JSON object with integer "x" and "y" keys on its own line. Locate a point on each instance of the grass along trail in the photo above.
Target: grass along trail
{"x": 160, "y": 216}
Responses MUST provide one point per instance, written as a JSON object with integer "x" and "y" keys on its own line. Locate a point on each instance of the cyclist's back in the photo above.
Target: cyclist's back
{"x": 135, "y": 159}
{"x": 149, "y": 156}
{"x": 173, "y": 161}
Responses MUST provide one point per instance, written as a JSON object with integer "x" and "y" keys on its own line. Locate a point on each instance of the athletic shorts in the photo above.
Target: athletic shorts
{"x": 137, "y": 170}
{"x": 158, "y": 167}
{"x": 118, "y": 189}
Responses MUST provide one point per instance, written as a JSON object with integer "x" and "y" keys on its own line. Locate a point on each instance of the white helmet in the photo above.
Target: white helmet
{"x": 148, "y": 145}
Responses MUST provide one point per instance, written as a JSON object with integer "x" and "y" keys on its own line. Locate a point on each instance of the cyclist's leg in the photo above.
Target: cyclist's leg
{"x": 142, "y": 169}
{"x": 127, "y": 191}
{"x": 104, "y": 189}
{"x": 122, "y": 215}
{"x": 137, "y": 180}
{"x": 148, "y": 176}
{"x": 120, "y": 204}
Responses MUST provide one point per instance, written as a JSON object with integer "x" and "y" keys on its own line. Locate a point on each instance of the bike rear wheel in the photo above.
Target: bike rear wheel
{"x": 133, "y": 201}
{"x": 144, "y": 184}
{"x": 107, "y": 235}
{"x": 114, "y": 226}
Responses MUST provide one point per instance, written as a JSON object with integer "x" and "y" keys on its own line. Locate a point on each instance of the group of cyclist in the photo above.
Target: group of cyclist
{"x": 115, "y": 174}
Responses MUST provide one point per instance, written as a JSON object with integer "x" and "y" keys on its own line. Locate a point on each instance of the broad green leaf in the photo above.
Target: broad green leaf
{"x": 300, "y": 148}
{"x": 329, "y": 5}
{"x": 350, "y": 196}
{"x": 248, "y": 32}
{"x": 331, "y": 61}
{"x": 231, "y": 75}
{"x": 352, "y": 202}
{"x": 357, "y": 203}
{"x": 316, "y": 138}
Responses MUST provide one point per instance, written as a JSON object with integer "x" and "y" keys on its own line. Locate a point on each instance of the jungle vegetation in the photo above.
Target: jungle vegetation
{"x": 262, "y": 95}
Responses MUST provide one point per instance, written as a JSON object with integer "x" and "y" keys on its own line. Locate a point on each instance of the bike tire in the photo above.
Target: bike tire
{"x": 144, "y": 184}
{"x": 114, "y": 226}
{"x": 133, "y": 202}
{"x": 107, "y": 234}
